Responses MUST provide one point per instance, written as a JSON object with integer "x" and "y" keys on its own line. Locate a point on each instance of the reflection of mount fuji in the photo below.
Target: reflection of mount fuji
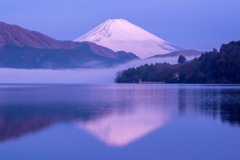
{"x": 29, "y": 109}
{"x": 123, "y": 114}
{"x": 119, "y": 129}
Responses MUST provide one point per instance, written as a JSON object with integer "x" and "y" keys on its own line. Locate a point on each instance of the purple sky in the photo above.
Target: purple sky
{"x": 197, "y": 24}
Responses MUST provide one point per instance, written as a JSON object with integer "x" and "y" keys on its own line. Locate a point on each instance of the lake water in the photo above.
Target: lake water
{"x": 120, "y": 122}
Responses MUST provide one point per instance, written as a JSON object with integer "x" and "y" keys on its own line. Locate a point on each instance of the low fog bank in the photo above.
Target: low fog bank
{"x": 88, "y": 76}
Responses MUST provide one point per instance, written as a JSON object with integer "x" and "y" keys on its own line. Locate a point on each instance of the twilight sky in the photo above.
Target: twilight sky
{"x": 197, "y": 24}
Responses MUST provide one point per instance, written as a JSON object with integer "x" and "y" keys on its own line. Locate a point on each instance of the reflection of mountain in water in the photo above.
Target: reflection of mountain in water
{"x": 16, "y": 121}
{"x": 116, "y": 114}
{"x": 119, "y": 129}
{"x": 213, "y": 101}
{"x": 28, "y": 109}
{"x": 230, "y": 106}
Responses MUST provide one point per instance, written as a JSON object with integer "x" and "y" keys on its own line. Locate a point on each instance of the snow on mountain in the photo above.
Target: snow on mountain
{"x": 121, "y": 35}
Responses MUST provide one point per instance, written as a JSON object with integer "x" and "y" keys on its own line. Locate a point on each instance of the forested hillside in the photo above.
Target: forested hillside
{"x": 211, "y": 67}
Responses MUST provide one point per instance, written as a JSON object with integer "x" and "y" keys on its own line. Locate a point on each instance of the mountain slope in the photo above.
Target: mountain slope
{"x": 86, "y": 55}
{"x": 13, "y": 35}
{"x": 21, "y": 48}
{"x": 186, "y": 53}
{"x": 121, "y": 35}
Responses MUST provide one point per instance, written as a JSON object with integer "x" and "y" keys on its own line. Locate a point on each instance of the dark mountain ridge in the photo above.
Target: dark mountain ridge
{"x": 188, "y": 52}
{"x": 21, "y": 48}
{"x": 13, "y": 35}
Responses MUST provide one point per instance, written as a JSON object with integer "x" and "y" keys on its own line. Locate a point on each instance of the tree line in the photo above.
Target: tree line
{"x": 221, "y": 66}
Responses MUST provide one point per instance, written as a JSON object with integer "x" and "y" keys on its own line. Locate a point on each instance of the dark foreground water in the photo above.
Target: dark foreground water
{"x": 119, "y": 122}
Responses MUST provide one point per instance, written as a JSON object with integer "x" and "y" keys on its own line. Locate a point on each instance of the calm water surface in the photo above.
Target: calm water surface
{"x": 120, "y": 122}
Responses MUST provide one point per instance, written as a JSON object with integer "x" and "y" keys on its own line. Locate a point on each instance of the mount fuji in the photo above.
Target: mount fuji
{"x": 121, "y": 35}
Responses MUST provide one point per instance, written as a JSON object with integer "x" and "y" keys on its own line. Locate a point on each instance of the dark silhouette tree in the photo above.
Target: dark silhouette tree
{"x": 181, "y": 59}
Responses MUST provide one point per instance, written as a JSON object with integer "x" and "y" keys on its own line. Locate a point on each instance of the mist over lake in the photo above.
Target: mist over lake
{"x": 89, "y": 76}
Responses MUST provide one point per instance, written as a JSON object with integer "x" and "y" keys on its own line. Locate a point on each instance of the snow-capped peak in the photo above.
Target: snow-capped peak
{"x": 121, "y": 35}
